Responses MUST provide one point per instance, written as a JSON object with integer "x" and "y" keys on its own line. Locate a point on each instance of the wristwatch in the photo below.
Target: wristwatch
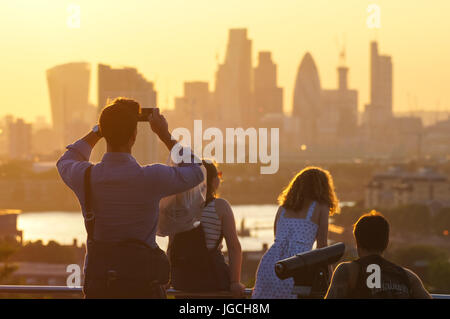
{"x": 96, "y": 130}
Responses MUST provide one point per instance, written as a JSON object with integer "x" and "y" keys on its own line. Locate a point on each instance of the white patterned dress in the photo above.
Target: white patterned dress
{"x": 293, "y": 236}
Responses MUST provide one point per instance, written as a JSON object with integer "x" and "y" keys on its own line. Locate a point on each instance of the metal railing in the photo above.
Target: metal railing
{"x": 42, "y": 290}
{"x": 65, "y": 290}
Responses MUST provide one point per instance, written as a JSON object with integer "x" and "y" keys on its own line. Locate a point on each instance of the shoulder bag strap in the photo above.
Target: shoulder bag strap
{"x": 311, "y": 210}
{"x": 89, "y": 218}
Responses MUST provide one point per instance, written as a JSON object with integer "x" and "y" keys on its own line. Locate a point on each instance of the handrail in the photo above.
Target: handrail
{"x": 21, "y": 289}
{"x": 223, "y": 294}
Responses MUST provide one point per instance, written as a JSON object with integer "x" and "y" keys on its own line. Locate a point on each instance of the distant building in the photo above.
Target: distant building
{"x": 436, "y": 139}
{"x": 429, "y": 118}
{"x": 378, "y": 113}
{"x": 397, "y": 187}
{"x": 8, "y": 225}
{"x": 380, "y": 80}
{"x": 40, "y": 123}
{"x": 195, "y": 104}
{"x": 233, "y": 81}
{"x": 307, "y": 101}
{"x": 4, "y": 134}
{"x": 268, "y": 97}
{"x": 339, "y": 116}
{"x": 129, "y": 83}
{"x": 72, "y": 115}
{"x": 37, "y": 194}
{"x": 19, "y": 139}
{"x": 406, "y": 137}
{"x": 39, "y": 273}
{"x": 387, "y": 135}
{"x": 125, "y": 82}
{"x": 45, "y": 141}
{"x": 288, "y": 132}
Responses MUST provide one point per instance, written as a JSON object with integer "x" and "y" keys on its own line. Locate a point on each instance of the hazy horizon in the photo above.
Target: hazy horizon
{"x": 175, "y": 41}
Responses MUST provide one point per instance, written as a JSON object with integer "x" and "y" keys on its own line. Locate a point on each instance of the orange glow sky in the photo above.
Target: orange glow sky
{"x": 171, "y": 41}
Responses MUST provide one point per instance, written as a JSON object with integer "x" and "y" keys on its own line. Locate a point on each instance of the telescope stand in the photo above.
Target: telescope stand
{"x": 305, "y": 288}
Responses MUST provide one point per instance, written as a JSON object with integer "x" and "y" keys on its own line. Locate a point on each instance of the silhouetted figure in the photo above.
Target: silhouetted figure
{"x": 301, "y": 219}
{"x": 197, "y": 262}
{"x": 371, "y": 276}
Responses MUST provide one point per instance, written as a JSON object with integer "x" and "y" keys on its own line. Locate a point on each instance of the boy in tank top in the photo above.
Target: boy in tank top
{"x": 372, "y": 276}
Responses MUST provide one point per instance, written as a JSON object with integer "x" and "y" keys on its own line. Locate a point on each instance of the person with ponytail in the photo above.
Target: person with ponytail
{"x": 197, "y": 262}
{"x": 218, "y": 222}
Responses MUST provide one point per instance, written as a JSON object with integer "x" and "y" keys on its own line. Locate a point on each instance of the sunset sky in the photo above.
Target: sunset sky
{"x": 172, "y": 41}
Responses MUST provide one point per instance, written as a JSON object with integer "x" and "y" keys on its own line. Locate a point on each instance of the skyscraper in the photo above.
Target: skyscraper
{"x": 233, "y": 80}
{"x": 307, "y": 100}
{"x": 68, "y": 86}
{"x": 19, "y": 139}
{"x": 268, "y": 97}
{"x": 195, "y": 104}
{"x": 339, "y": 117}
{"x": 378, "y": 119}
{"x": 127, "y": 82}
{"x": 380, "y": 108}
{"x": 380, "y": 79}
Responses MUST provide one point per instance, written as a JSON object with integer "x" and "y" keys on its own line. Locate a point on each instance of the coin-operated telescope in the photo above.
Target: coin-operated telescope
{"x": 310, "y": 270}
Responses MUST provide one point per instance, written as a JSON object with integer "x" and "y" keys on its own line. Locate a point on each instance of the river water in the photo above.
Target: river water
{"x": 63, "y": 227}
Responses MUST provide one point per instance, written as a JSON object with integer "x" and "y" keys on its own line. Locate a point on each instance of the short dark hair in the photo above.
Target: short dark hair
{"x": 211, "y": 173}
{"x": 371, "y": 232}
{"x": 118, "y": 121}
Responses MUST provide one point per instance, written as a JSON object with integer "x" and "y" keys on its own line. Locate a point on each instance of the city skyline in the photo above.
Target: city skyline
{"x": 324, "y": 120}
{"x": 284, "y": 129}
{"x": 288, "y": 42}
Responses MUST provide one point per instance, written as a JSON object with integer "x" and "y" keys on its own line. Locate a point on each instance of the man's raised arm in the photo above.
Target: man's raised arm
{"x": 172, "y": 180}
{"x": 75, "y": 160}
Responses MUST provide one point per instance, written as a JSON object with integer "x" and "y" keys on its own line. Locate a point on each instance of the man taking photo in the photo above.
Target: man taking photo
{"x": 120, "y": 203}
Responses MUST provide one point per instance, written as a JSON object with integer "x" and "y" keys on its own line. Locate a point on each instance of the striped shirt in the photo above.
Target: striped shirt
{"x": 212, "y": 225}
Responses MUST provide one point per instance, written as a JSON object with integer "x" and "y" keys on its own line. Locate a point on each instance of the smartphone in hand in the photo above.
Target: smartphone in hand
{"x": 144, "y": 114}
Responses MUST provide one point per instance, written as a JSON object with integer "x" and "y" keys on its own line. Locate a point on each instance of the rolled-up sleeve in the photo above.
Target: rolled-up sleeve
{"x": 72, "y": 164}
{"x": 169, "y": 180}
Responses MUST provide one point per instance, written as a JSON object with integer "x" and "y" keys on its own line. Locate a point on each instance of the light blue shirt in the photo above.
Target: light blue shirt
{"x": 125, "y": 195}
